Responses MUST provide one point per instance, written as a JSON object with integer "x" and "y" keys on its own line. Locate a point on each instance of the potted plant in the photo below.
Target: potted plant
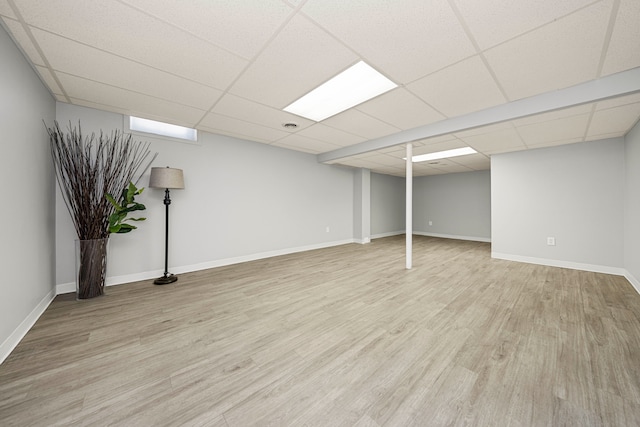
{"x": 89, "y": 170}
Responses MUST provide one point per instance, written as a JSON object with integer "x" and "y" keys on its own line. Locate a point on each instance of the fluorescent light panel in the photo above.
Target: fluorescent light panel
{"x": 353, "y": 86}
{"x": 161, "y": 128}
{"x": 443, "y": 154}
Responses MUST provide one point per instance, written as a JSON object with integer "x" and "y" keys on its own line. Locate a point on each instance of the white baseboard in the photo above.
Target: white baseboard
{"x": 389, "y": 234}
{"x": 12, "y": 341}
{"x": 453, "y": 236}
{"x": 563, "y": 264}
{"x": 257, "y": 256}
{"x": 634, "y": 282}
{"x": 146, "y": 275}
{"x": 66, "y": 288}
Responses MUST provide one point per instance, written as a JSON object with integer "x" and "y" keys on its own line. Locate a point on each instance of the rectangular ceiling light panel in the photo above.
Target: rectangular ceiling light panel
{"x": 161, "y": 128}
{"x": 443, "y": 154}
{"x": 353, "y": 86}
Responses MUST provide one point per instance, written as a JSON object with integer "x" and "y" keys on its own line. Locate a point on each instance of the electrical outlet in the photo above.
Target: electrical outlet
{"x": 551, "y": 241}
{"x": 430, "y": 222}
{"x": 327, "y": 228}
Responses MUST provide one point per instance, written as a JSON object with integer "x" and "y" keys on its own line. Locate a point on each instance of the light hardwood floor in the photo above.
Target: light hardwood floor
{"x": 343, "y": 336}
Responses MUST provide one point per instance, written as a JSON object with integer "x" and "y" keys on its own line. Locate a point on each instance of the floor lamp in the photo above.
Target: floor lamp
{"x": 167, "y": 178}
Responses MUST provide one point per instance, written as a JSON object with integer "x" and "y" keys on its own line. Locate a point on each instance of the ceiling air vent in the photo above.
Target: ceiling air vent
{"x": 290, "y": 125}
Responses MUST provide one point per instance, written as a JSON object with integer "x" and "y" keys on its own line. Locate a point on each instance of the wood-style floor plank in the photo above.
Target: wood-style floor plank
{"x": 342, "y": 336}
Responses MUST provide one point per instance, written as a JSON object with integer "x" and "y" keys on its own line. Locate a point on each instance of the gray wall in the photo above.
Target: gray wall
{"x": 458, "y": 205}
{"x": 243, "y": 200}
{"x": 26, "y": 251}
{"x": 388, "y": 205}
{"x": 573, "y": 193}
{"x": 632, "y": 206}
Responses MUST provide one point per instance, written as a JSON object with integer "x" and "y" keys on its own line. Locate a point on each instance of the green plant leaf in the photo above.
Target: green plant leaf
{"x": 117, "y": 219}
{"x": 126, "y": 228}
{"x": 112, "y": 200}
{"x": 135, "y": 219}
{"x": 131, "y": 192}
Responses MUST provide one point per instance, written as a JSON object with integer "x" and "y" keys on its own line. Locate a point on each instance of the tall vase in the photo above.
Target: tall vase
{"x": 91, "y": 267}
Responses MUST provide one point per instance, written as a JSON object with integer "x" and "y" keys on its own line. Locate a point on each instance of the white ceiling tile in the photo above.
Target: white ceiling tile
{"x": 48, "y": 79}
{"x": 470, "y": 159}
{"x": 616, "y": 102}
{"x": 560, "y": 54}
{"x": 554, "y": 115}
{"x": 361, "y": 124}
{"x": 20, "y": 35}
{"x": 121, "y": 30}
{"x": 119, "y": 110}
{"x": 330, "y": 135}
{"x": 302, "y": 143}
{"x": 603, "y": 136}
{"x": 615, "y": 119}
{"x": 569, "y": 128}
{"x": 410, "y": 40}
{"x": 505, "y": 139}
{"x": 230, "y": 134}
{"x": 556, "y": 143}
{"x": 624, "y": 47}
{"x": 495, "y": 21}
{"x": 5, "y": 10}
{"x": 241, "y": 27}
{"x": 250, "y": 111}
{"x": 461, "y": 88}
{"x": 401, "y": 109}
{"x": 473, "y": 161}
{"x": 300, "y": 58}
{"x": 446, "y": 165}
{"x": 396, "y": 150}
{"x": 84, "y": 61}
{"x": 224, "y": 124}
{"x": 126, "y": 102}
{"x": 173, "y": 61}
{"x": 385, "y": 160}
{"x": 504, "y": 150}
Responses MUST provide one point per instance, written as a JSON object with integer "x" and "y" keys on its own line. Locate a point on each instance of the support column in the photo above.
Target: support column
{"x": 409, "y": 207}
{"x": 362, "y": 206}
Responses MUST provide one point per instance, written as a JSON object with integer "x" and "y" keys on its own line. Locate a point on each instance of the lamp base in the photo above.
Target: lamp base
{"x": 165, "y": 280}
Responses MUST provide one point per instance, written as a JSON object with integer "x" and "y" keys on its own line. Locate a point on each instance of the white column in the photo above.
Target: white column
{"x": 409, "y": 207}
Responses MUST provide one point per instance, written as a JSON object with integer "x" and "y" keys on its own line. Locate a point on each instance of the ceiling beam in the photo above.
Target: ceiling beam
{"x": 614, "y": 85}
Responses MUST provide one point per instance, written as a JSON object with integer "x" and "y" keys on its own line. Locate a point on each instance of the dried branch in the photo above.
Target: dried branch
{"x": 87, "y": 168}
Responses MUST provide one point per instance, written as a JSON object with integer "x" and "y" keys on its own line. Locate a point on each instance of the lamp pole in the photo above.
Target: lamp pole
{"x": 166, "y": 178}
{"x": 166, "y": 278}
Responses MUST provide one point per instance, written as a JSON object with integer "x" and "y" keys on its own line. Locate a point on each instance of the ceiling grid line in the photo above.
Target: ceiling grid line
{"x": 185, "y": 30}
{"x": 607, "y": 39}
{"x": 38, "y": 48}
{"x": 275, "y": 34}
{"x": 479, "y": 51}
{"x": 498, "y": 76}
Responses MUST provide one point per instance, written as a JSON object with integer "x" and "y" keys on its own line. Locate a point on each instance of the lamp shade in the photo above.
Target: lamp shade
{"x": 166, "y": 178}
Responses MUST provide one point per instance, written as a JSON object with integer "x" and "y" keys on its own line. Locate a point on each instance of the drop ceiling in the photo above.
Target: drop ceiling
{"x": 229, "y": 67}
